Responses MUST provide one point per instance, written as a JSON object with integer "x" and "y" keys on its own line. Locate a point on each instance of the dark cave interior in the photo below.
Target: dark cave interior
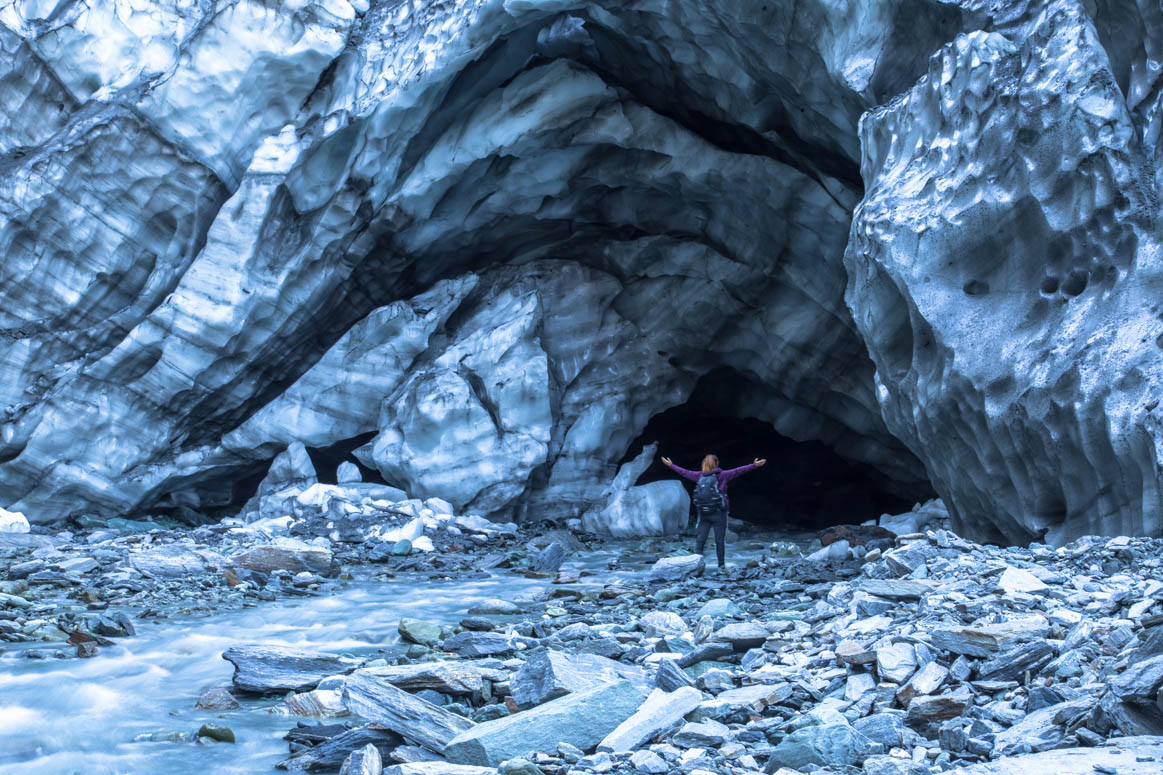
{"x": 804, "y": 486}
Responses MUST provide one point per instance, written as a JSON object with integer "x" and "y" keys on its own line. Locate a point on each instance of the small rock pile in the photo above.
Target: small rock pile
{"x": 923, "y": 654}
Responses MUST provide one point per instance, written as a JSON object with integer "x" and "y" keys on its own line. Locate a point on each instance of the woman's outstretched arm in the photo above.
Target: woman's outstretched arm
{"x": 683, "y": 472}
{"x": 731, "y": 473}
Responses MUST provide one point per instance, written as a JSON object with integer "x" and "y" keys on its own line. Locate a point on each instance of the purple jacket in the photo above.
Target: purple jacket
{"x": 724, "y": 476}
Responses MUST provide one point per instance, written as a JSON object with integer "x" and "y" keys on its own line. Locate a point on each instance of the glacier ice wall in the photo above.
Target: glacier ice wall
{"x": 487, "y": 240}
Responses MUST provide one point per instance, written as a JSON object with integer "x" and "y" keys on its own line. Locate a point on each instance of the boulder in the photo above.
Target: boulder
{"x": 582, "y": 719}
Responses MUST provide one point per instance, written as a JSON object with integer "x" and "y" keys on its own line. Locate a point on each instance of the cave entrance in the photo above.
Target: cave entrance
{"x": 804, "y": 486}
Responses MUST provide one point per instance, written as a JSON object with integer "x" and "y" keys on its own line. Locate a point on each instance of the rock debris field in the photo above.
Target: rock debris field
{"x": 876, "y": 653}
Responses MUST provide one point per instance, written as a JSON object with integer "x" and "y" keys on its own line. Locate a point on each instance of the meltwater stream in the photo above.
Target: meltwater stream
{"x": 60, "y": 717}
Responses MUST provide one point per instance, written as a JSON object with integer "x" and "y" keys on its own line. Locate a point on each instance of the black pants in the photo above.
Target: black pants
{"x": 717, "y": 520}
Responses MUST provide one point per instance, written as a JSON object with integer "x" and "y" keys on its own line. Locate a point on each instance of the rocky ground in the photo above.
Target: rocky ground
{"x": 879, "y": 653}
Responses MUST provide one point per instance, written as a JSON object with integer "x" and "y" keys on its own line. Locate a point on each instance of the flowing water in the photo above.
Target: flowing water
{"x": 59, "y": 717}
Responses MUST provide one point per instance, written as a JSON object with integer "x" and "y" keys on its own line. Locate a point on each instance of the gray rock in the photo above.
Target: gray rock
{"x": 832, "y": 744}
{"x": 742, "y": 635}
{"x": 1012, "y": 664}
{"x": 175, "y": 561}
{"x": 706, "y": 653}
{"x": 329, "y": 755}
{"x": 649, "y": 762}
{"x": 217, "y": 733}
{"x": 480, "y": 644}
{"x": 581, "y": 719}
{"x": 287, "y": 554}
{"x": 1043, "y": 729}
{"x": 549, "y": 559}
{"x": 365, "y": 761}
{"x": 886, "y": 728}
{"x": 896, "y": 662}
{"x": 552, "y": 674}
{"x": 218, "y": 699}
{"x": 677, "y": 568}
{"x": 988, "y": 639}
{"x": 455, "y": 678}
{"x": 702, "y": 734}
{"x": 1141, "y": 681}
{"x": 374, "y": 699}
{"x": 670, "y": 676}
{"x": 660, "y": 711}
{"x": 419, "y": 631}
{"x": 267, "y": 669}
{"x": 495, "y": 607}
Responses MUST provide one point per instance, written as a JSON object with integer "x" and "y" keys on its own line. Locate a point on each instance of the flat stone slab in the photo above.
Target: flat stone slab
{"x": 661, "y": 711}
{"x": 456, "y": 678}
{"x": 374, "y": 699}
{"x": 582, "y": 719}
{"x": 988, "y": 639}
{"x": 1122, "y": 756}
{"x": 271, "y": 669}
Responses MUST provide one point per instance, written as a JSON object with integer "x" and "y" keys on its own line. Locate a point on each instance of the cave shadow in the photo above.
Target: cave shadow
{"x": 804, "y": 486}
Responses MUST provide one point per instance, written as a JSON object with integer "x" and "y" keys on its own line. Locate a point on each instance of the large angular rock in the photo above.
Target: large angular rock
{"x": 821, "y": 745}
{"x": 581, "y": 719}
{"x": 988, "y": 639}
{"x": 552, "y": 674}
{"x": 661, "y": 711}
{"x": 1043, "y": 729}
{"x": 374, "y": 699}
{"x": 267, "y": 669}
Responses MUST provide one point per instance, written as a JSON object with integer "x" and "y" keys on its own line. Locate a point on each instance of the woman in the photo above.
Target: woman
{"x": 712, "y": 511}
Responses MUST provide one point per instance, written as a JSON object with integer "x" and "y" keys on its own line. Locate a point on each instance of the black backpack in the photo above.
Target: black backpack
{"x": 707, "y": 496}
